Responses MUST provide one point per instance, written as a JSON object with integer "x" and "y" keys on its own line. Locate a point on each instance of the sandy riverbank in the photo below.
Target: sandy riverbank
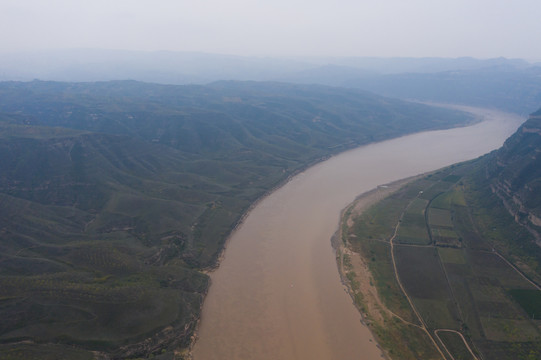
{"x": 371, "y": 307}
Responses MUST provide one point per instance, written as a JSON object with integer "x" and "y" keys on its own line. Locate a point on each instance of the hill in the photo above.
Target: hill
{"x": 501, "y": 86}
{"x": 515, "y": 174}
{"x": 115, "y": 195}
{"x": 509, "y": 84}
{"x": 178, "y": 68}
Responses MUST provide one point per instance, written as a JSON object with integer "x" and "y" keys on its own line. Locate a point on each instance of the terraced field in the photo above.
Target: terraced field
{"x": 434, "y": 247}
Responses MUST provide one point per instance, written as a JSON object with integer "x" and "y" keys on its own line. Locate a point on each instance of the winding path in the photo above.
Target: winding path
{"x": 410, "y": 301}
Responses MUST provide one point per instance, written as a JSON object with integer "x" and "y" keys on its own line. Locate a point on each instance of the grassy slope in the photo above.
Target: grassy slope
{"x": 93, "y": 248}
{"x": 112, "y": 195}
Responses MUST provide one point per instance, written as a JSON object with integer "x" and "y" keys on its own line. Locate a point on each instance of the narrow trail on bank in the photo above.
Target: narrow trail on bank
{"x": 412, "y": 305}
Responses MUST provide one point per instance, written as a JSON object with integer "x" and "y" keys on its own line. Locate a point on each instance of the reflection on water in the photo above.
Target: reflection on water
{"x": 277, "y": 293}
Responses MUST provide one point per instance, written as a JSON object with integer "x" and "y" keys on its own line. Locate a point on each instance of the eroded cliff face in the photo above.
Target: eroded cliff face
{"x": 515, "y": 174}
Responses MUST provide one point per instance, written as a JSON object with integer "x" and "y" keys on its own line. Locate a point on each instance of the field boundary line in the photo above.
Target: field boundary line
{"x": 419, "y": 317}
{"x": 461, "y": 336}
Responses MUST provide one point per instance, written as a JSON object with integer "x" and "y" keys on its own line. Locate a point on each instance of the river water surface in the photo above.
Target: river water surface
{"x": 277, "y": 293}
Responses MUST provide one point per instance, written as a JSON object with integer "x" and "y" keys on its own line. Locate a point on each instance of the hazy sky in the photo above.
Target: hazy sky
{"x": 446, "y": 28}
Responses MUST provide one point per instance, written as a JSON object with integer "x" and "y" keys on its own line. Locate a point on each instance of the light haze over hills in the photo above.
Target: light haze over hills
{"x": 191, "y": 67}
{"x": 508, "y": 84}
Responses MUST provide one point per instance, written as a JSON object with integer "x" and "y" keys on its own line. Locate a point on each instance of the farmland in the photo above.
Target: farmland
{"x": 441, "y": 252}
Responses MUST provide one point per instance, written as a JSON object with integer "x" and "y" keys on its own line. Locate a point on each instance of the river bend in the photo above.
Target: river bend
{"x": 277, "y": 293}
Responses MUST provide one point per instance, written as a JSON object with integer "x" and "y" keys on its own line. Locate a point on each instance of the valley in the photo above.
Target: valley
{"x": 257, "y": 180}
{"x": 116, "y": 197}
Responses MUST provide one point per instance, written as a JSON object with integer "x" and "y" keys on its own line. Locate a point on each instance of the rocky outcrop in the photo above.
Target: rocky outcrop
{"x": 170, "y": 337}
{"x": 515, "y": 174}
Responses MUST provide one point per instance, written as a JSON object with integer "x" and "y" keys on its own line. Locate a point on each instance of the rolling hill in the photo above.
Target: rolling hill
{"x": 115, "y": 195}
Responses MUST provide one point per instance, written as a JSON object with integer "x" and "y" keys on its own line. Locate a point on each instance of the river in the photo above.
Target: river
{"x": 277, "y": 293}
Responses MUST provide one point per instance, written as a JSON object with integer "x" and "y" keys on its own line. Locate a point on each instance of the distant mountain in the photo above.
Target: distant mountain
{"x": 163, "y": 67}
{"x": 508, "y": 84}
{"x": 503, "y": 87}
{"x": 330, "y": 74}
{"x": 169, "y": 67}
{"x": 400, "y": 65}
{"x": 114, "y": 195}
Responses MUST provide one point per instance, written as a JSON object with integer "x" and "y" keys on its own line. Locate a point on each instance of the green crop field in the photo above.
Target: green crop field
{"x": 440, "y": 217}
{"x": 529, "y": 300}
{"x": 452, "y": 256}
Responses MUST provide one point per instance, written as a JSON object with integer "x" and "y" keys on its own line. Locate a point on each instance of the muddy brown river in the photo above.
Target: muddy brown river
{"x": 277, "y": 293}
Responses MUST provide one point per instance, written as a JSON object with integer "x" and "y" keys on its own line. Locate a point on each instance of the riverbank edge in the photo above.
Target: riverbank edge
{"x": 476, "y": 118}
{"x": 371, "y": 303}
{"x": 187, "y": 353}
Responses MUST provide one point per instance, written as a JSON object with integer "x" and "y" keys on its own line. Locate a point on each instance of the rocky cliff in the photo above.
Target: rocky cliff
{"x": 515, "y": 173}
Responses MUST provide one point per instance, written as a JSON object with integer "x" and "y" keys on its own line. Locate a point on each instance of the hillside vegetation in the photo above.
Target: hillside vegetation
{"x": 114, "y": 195}
{"x": 455, "y": 258}
{"x": 516, "y": 175}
